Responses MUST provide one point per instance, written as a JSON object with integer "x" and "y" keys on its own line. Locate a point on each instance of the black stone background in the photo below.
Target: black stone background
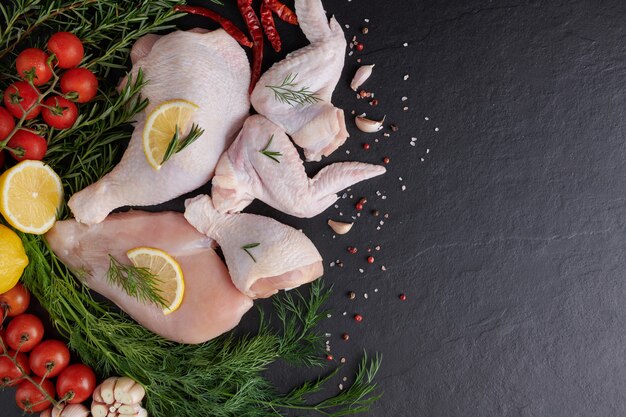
{"x": 508, "y": 240}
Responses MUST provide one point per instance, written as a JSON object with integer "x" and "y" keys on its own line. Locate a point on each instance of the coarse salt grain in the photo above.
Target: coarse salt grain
{"x": 436, "y": 129}
{"x": 361, "y": 270}
{"x": 412, "y": 143}
{"x": 375, "y": 289}
{"x": 426, "y": 118}
{"x": 365, "y": 296}
{"x": 383, "y": 268}
{"x": 427, "y": 150}
{"x": 405, "y": 98}
{"x": 366, "y": 20}
{"x": 405, "y": 44}
{"x": 405, "y": 108}
{"x": 422, "y": 159}
{"x": 404, "y": 188}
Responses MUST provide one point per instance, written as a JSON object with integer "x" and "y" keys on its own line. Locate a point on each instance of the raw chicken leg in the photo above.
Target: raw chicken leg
{"x": 209, "y": 69}
{"x": 263, "y": 255}
{"x": 211, "y": 304}
{"x": 318, "y": 127}
{"x": 244, "y": 173}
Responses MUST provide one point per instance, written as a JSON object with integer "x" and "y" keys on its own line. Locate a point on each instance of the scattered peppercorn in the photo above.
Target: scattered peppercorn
{"x": 352, "y": 249}
{"x": 375, "y": 213}
{"x": 329, "y": 357}
{"x": 358, "y": 206}
{"x": 374, "y": 102}
{"x": 362, "y": 93}
{"x": 351, "y": 295}
{"x": 358, "y": 317}
{"x": 363, "y": 200}
{"x": 402, "y": 297}
{"x": 386, "y": 160}
{"x": 340, "y": 264}
{"x": 365, "y": 30}
{"x": 394, "y": 127}
{"x": 370, "y": 259}
{"x": 345, "y": 336}
{"x": 359, "y": 47}
{"x": 342, "y": 360}
{"x": 366, "y": 146}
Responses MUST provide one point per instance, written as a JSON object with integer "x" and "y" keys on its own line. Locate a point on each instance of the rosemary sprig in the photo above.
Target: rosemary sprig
{"x": 176, "y": 144}
{"x": 246, "y": 248}
{"x": 137, "y": 282}
{"x": 271, "y": 154}
{"x": 288, "y": 93}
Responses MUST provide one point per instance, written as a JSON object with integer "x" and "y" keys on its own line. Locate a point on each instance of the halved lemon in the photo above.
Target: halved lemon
{"x": 31, "y": 194}
{"x": 13, "y": 259}
{"x": 168, "y": 274}
{"x": 161, "y": 126}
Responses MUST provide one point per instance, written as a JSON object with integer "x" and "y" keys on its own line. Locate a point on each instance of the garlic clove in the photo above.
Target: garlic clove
{"x": 106, "y": 390}
{"x": 99, "y": 409}
{"x": 74, "y": 410}
{"x": 133, "y": 395}
{"x": 46, "y": 413}
{"x": 340, "y": 228}
{"x": 122, "y": 386}
{"x": 129, "y": 409}
{"x": 97, "y": 396}
{"x": 361, "y": 75}
{"x": 367, "y": 125}
{"x": 56, "y": 411}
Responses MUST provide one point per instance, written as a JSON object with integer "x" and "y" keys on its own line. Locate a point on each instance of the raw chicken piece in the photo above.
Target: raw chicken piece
{"x": 244, "y": 173}
{"x": 319, "y": 127}
{"x": 209, "y": 69}
{"x": 211, "y": 304}
{"x": 263, "y": 255}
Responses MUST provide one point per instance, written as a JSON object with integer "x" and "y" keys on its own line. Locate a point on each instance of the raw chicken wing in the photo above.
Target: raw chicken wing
{"x": 277, "y": 178}
{"x": 208, "y": 69}
{"x": 263, "y": 255}
{"x": 211, "y": 304}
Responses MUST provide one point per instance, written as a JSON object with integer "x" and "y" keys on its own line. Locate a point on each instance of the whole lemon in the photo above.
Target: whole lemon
{"x": 13, "y": 259}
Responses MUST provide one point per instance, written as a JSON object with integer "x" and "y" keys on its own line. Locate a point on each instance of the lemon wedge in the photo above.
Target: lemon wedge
{"x": 13, "y": 259}
{"x": 168, "y": 274}
{"x": 31, "y": 194}
{"x": 161, "y": 126}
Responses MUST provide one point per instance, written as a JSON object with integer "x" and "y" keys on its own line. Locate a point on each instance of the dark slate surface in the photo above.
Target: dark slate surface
{"x": 508, "y": 240}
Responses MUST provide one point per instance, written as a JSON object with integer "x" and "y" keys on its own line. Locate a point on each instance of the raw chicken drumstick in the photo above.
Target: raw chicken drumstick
{"x": 314, "y": 124}
{"x": 263, "y": 255}
{"x": 211, "y": 304}
{"x": 263, "y": 163}
{"x": 208, "y": 69}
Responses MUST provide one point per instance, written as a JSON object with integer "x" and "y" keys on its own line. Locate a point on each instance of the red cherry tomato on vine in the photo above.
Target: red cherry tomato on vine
{"x": 10, "y": 374}
{"x": 31, "y": 144}
{"x": 16, "y": 300}
{"x": 81, "y": 81}
{"x": 30, "y": 399}
{"x": 21, "y": 97}
{"x": 67, "y": 48}
{"x": 24, "y": 332}
{"x": 76, "y": 383}
{"x": 60, "y": 113}
{"x": 49, "y": 358}
{"x": 6, "y": 123}
{"x": 34, "y": 59}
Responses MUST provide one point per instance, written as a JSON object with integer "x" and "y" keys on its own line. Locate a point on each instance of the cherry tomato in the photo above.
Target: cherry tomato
{"x": 67, "y": 48}
{"x": 16, "y": 300}
{"x": 20, "y": 97}
{"x": 63, "y": 114}
{"x": 6, "y": 123}
{"x": 49, "y": 358}
{"x": 33, "y": 146}
{"x": 24, "y": 332}
{"x": 76, "y": 383}
{"x": 33, "y": 59}
{"x": 10, "y": 374}
{"x": 81, "y": 81}
{"x": 30, "y": 399}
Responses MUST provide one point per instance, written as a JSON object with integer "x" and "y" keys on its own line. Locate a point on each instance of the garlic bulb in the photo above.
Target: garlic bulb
{"x": 361, "y": 75}
{"x": 368, "y": 126}
{"x": 118, "y": 397}
{"x": 339, "y": 227}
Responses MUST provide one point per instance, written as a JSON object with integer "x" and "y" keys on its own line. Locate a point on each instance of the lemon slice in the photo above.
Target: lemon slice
{"x": 168, "y": 274}
{"x": 30, "y": 196}
{"x": 13, "y": 259}
{"x": 161, "y": 126}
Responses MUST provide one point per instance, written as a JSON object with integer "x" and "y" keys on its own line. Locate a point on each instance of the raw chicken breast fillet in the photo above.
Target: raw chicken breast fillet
{"x": 208, "y": 69}
{"x": 317, "y": 127}
{"x": 263, "y": 255}
{"x": 244, "y": 173}
{"x": 211, "y": 304}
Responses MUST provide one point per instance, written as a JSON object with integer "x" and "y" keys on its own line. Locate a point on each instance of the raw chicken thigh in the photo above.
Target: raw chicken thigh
{"x": 208, "y": 69}
{"x": 318, "y": 127}
{"x": 277, "y": 177}
{"x": 263, "y": 255}
{"x": 211, "y": 304}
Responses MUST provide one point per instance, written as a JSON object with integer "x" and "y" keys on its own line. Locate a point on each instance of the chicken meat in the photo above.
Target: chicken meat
{"x": 211, "y": 304}
{"x": 263, "y": 255}
{"x": 309, "y": 118}
{"x": 208, "y": 69}
{"x": 263, "y": 163}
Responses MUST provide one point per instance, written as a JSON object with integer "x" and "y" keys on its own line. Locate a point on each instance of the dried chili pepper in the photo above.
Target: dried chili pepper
{"x": 226, "y": 24}
{"x": 270, "y": 27}
{"x": 255, "y": 30}
{"x": 283, "y": 12}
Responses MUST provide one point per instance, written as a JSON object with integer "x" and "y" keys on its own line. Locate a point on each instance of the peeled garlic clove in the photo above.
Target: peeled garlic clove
{"x": 367, "y": 125}
{"x": 74, "y": 410}
{"x": 362, "y": 74}
{"x": 340, "y": 228}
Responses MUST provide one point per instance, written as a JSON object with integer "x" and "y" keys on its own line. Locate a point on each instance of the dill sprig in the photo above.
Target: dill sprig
{"x": 137, "y": 282}
{"x": 289, "y": 93}
{"x": 273, "y": 155}
{"x": 177, "y": 144}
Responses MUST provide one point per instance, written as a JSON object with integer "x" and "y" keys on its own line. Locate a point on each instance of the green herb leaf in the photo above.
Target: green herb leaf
{"x": 176, "y": 144}
{"x": 271, "y": 154}
{"x": 247, "y": 248}
{"x": 288, "y": 93}
{"x": 139, "y": 283}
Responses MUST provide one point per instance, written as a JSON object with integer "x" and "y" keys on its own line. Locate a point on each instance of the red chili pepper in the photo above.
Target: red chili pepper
{"x": 270, "y": 27}
{"x": 228, "y": 26}
{"x": 254, "y": 27}
{"x": 283, "y": 12}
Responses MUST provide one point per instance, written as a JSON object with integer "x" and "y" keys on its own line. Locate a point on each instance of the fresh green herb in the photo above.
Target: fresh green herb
{"x": 288, "y": 93}
{"x": 271, "y": 154}
{"x": 247, "y": 248}
{"x": 137, "y": 282}
{"x": 176, "y": 144}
